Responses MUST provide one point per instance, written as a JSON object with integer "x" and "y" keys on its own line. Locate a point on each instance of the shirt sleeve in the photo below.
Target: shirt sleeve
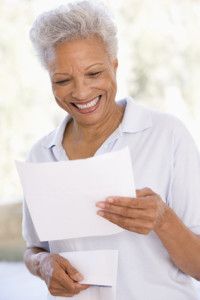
{"x": 184, "y": 196}
{"x": 28, "y": 231}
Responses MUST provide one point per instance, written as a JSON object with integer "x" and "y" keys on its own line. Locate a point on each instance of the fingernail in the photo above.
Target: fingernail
{"x": 100, "y": 204}
{"x": 110, "y": 200}
{"x": 100, "y": 213}
{"x": 78, "y": 277}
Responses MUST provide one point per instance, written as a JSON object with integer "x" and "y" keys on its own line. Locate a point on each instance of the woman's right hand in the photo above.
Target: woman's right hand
{"x": 60, "y": 276}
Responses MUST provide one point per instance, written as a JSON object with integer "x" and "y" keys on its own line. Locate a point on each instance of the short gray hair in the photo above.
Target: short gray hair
{"x": 80, "y": 19}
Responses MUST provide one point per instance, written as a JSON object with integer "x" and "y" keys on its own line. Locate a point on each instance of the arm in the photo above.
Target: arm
{"x": 148, "y": 212}
{"x": 182, "y": 245}
{"x": 59, "y": 275}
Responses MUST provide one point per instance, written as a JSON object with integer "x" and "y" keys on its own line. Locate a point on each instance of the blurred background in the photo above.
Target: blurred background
{"x": 159, "y": 55}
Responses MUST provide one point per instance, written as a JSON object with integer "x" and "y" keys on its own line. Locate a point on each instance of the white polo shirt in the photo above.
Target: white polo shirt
{"x": 165, "y": 159}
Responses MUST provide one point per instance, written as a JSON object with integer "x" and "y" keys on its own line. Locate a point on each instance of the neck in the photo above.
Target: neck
{"x": 86, "y": 133}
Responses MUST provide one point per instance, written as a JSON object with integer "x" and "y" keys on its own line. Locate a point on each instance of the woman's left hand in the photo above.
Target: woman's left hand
{"x": 141, "y": 214}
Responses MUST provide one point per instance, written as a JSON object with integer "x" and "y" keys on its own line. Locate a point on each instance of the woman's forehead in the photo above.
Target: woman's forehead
{"x": 81, "y": 51}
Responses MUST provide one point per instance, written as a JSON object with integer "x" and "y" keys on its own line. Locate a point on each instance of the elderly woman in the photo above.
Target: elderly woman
{"x": 160, "y": 247}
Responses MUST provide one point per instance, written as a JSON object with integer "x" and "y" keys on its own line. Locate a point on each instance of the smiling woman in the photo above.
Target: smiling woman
{"x": 77, "y": 45}
{"x": 83, "y": 78}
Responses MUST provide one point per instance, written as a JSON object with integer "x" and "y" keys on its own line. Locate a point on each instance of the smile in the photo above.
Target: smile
{"x": 89, "y": 104}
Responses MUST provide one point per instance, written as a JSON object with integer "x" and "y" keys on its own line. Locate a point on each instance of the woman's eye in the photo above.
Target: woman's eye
{"x": 94, "y": 74}
{"x": 62, "y": 81}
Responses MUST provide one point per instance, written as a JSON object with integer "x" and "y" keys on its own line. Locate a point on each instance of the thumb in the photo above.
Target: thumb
{"x": 144, "y": 192}
{"x": 72, "y": 272}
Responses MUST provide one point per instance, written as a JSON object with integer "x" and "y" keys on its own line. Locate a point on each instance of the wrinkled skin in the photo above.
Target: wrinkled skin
{"x": 59, "y": 275}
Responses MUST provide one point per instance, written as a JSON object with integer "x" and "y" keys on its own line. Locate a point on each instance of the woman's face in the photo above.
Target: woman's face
{"x": 83, "y": 79}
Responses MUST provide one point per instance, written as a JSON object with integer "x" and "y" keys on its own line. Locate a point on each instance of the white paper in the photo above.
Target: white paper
{"x": 61, "y": 196}
{"x": 98, "y": 268}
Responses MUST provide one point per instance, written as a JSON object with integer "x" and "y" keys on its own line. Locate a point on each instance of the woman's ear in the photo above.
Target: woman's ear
{"x": 115, "y": 65}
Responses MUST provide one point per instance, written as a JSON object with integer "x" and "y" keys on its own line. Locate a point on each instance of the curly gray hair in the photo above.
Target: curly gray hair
{"x": 80, "y": 19}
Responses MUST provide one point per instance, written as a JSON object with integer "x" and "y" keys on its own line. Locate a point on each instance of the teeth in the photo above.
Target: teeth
{"x": 88, "y": 105}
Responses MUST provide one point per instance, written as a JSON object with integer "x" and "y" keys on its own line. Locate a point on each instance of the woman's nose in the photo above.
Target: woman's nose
{"x": 81, "y": 90}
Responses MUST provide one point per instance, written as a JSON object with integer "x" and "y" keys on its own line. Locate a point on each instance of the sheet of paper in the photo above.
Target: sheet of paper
{"x": 99, "y": 268}
{"x": 61, "y": 196}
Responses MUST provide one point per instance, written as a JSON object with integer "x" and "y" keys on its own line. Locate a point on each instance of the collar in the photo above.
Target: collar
{"x": 136, "y": 118}
{"x": 55, "y": 137}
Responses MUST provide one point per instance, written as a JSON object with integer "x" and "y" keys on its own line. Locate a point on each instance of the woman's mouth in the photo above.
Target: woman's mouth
{"x": 89, "y": 106}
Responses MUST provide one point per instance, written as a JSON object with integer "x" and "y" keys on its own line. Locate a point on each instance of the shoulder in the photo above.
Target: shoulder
{"x": 166, "y": 121}
{"x": 169, "y": 130}
{"x": 156, "y": 127}
{"x": 172, "y": 127}
{"x": 140, "y": 118}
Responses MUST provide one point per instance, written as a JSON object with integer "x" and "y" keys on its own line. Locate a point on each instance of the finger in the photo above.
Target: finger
{"x": 135, "y": 225}
{"x": 66, "y": 285}
{"x": 144, "y": 192}
{"x": 81, "y": 287}
{"x": 73, "y": 273}
{"x": 63, "y": 283}
{"x": 78, "y": 288}
{"x": 61, "y": 293}
{"x": 139, "y": 203}
{"x": 58, "y": 292}
{"x": 66, "y": 291}
{"x": 135, "y": 213}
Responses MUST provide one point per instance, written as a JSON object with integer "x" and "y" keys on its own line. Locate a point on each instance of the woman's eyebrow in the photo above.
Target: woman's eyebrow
{"x": 85, "y": 69}
{"x": 93, "y": 65}
{"x": 60, "y": 74}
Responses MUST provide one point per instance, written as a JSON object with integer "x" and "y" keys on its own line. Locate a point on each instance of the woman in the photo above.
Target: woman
{"x": 160, "y": 246}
